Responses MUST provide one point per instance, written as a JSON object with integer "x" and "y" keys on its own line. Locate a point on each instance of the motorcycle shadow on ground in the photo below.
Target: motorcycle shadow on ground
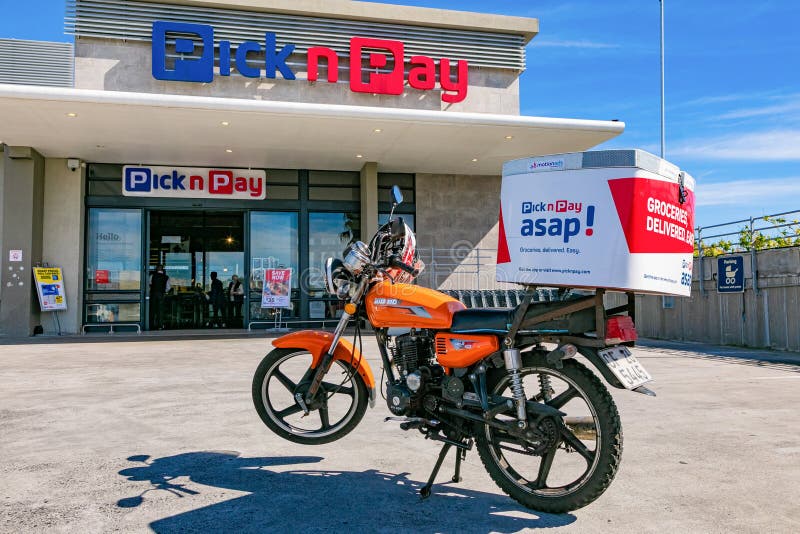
{"x": 318, "y": 500}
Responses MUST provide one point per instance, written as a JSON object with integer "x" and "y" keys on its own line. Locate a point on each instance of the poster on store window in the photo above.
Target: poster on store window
{"x": 277, "y": 288}
{"x": 50, "y": 288}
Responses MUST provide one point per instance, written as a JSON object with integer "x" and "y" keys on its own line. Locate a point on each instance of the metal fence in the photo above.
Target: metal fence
{"x": 760, "y": 233}
{"x": 749, "y": 235}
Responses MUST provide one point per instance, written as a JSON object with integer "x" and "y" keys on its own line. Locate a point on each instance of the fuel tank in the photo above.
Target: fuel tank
{"x": 410, "y": 306}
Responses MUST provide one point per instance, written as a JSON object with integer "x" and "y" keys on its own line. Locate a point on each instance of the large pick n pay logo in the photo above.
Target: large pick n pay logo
{"x": 384, "y": 71}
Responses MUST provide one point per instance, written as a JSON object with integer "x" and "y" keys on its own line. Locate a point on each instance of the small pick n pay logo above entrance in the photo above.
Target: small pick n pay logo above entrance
{"x": 193, "y": 182}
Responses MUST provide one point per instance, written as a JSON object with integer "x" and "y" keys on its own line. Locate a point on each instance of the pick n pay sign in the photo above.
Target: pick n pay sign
{"x": 193, "y": 182}
{"x": 195, "y": 45}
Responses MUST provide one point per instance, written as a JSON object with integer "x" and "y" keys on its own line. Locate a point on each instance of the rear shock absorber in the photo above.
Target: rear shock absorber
{"x": 545, "y": 387}
{"x": 513, "y": 361}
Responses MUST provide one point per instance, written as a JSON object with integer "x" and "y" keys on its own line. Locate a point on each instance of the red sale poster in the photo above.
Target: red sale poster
{"x": 277, "y": 288}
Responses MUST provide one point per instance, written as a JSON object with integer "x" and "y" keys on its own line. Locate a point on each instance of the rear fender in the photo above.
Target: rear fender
{"x": 318, "y": 343}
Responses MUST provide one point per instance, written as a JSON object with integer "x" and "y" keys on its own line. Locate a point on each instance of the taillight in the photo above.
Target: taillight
{"x": 620, "y": 329}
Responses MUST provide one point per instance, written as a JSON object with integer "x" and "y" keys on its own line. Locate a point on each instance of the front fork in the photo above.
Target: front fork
{"x": 327, "y": 359}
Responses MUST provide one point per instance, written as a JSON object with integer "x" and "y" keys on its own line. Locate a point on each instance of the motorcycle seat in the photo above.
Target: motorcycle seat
{"x": 481, "y": 321}
{"x": 498, "y": 321}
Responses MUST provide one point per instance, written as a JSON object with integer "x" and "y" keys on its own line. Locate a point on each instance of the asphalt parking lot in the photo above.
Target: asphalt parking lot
{"x": 161, "y": 435}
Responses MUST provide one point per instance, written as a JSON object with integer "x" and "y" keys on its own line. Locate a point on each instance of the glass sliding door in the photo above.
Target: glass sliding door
{"x": 274, "y": 244}
{"x": 191, "y": 245}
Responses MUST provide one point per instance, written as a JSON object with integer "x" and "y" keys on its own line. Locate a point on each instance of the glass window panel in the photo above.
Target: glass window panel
{"x": 225, "y": 264}
{"x": 347, "y": 194}
{"x": 104, "y": 171}
{"x": 282, "y": 192}
{"x": 274, "y": 244}
{"x": 122, "y": 312}
{"x": 388, "y": 179}
{"x": 257, "y": 313}
{"x": 105, "y": 188}
{"x": 114, "y": 249}
{"x": 409, "y": 219}
{"x": 105, "y": 297}
{"x": 352, "y": 179}
{"x": 282, "y": 176}
{"x": 385, "y": 195}
{"x": 178, "y": 266}
{"x": 325, "y": 309}
{"x": 328, "y": 235}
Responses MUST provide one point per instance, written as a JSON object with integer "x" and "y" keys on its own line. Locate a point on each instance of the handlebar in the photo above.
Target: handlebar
{"x": 394, "y": 261}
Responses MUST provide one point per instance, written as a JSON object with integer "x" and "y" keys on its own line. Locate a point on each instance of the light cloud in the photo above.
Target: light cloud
{"x": 790, "y": 106}
{"x": 747, "y": 192}
{"x": 715, "y": 99}
{"x": 561, "y": 43}
{"x": 774, "y": 145}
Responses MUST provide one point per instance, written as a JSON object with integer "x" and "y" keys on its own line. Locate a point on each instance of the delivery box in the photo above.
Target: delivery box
{"x": 616, "y": 219}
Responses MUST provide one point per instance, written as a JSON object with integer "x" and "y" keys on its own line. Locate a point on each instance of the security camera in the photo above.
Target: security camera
{"x": 73, "y": 164}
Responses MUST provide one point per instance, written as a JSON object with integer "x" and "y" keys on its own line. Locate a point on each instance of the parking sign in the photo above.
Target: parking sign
{"x": 730, "y": 274}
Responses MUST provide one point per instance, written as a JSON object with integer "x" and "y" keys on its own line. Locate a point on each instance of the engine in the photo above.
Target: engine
{"x": 411, "y": 351}
{"x": 412, "y": 355}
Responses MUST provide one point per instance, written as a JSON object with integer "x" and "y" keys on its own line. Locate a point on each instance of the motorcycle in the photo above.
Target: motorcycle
{"x": 505, "y": 381}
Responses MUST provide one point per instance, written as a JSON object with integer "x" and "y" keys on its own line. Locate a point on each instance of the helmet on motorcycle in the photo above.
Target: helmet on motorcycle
{"x": 404, "y": 246}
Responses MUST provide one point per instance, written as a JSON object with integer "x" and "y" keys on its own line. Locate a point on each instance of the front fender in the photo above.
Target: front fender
{"x": 317, "y": 343}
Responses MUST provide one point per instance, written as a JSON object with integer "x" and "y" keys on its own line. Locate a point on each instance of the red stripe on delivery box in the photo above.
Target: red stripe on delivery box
{"x": 502, "y": 244}
{"x": 652, "y": 217}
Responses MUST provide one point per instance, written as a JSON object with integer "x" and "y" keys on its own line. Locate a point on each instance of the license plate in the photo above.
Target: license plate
{"x": 625, "y": 366}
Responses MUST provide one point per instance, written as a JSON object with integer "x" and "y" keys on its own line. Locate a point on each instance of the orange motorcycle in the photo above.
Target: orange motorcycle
{"x": 504, "y": 380}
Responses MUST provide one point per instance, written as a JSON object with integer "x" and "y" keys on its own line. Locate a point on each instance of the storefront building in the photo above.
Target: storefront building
{"x": 236, "y": 136}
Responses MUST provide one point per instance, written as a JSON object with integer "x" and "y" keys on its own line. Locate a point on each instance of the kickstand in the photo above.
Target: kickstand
{"x": 460, "y": 455}
{"x": 425, "y": 492}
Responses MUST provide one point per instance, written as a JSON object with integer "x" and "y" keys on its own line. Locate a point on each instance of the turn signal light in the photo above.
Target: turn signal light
{"x": 350, "y": 308}
{"x": 620, "y": 329}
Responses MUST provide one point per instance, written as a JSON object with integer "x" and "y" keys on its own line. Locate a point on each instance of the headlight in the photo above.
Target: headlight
{"x": 356, "y": 257}
{"x": 338, "y": 281}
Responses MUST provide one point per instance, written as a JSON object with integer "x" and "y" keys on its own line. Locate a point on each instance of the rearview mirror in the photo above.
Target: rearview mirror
{"x": 397, "y": 195}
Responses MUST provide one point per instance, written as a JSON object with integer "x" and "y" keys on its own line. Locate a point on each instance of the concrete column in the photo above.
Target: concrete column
{"x": 63, "y": 235}
{"x": 369, "y": 199}
{"x": 22, "y": 196}
{"x": 2, "y": 247}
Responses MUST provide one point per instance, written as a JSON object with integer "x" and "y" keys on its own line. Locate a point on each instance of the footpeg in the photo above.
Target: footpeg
{"x": 407, "y": 423}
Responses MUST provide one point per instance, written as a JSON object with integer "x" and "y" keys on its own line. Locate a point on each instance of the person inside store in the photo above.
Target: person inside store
{"x": 159, "y": 287}
{"x": 236, "y": 296}
{"x": 200, "y": 303}
{"x": 217, "y": 300}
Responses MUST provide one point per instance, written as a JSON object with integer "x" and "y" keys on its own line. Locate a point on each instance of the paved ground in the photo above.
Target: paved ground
{"x": 161, "y": 435}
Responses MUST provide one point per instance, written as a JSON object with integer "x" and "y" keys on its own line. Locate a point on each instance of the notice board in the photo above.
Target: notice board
{"x": 50, "y": 288}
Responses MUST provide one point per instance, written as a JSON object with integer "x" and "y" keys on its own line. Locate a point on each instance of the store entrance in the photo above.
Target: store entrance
{"x": 192, "y": 246}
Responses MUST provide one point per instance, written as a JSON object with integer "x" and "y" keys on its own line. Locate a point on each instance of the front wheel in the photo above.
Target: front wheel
{"x": 338, "y": 408}
{"x": 572, "y": 460}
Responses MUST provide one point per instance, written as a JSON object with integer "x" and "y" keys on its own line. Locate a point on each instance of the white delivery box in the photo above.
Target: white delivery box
{"x": 616, "y": 219}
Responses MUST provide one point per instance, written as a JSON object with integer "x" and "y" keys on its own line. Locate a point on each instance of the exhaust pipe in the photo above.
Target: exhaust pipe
{"x": 583, "y": 427}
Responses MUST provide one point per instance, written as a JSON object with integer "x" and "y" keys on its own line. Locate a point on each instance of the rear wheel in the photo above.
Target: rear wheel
{"x": 338, "y": 408}
{"x": 573, "y": 459}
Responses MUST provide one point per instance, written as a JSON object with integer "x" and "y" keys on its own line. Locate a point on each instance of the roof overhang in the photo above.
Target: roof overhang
{"x": 123, "y": 127}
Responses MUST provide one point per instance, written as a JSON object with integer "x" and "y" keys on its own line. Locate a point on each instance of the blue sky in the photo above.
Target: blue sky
{"x": 732, "y": 83}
